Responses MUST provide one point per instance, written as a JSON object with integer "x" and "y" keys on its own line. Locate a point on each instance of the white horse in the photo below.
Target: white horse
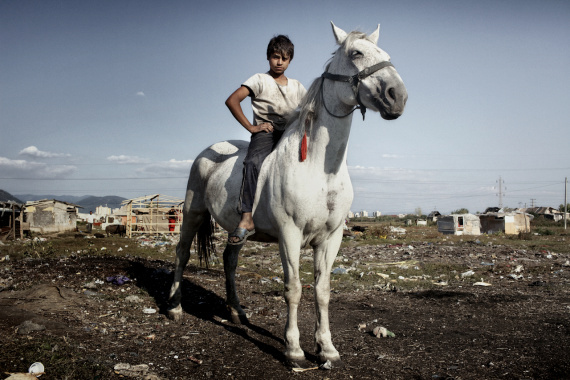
{"x": 299, "y": 202}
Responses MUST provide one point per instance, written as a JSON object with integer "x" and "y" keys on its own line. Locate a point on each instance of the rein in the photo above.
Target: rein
{"x": 354, "y": 81}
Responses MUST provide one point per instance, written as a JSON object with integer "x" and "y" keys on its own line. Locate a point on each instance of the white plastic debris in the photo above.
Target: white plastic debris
{"x": 469, "y": 273}
{"x": 36, "y": 369}
{"x": 149, "y": 310}
{"x": 382, "y": 332}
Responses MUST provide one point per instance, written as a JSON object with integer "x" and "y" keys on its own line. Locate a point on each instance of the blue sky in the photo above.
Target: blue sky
{"x": 118, "y": 97}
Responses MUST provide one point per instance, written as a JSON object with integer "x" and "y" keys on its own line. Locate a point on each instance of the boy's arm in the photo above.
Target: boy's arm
{"x": 234, "y": 104}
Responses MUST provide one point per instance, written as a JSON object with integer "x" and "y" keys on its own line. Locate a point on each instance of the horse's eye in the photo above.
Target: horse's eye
{"x": 355, "y": 54}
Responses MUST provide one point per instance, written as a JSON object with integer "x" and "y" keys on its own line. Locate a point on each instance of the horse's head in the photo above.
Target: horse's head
{"x": 363, "y": 75}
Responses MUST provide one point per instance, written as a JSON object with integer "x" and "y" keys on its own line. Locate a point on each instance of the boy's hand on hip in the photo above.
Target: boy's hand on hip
{"x": 263, "y": 127}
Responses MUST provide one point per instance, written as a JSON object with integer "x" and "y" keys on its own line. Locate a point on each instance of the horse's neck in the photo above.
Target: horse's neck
{"x": 328, "y": 141}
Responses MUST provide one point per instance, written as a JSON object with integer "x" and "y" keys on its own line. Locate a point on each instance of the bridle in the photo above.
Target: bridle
{"x": 354, "y": 81}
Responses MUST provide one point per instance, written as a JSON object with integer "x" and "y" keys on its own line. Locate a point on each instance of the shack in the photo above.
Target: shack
{"x": 434, "y": 215}
{"x": 155, "y": 214}
{"x": 50, "y": 215}
{"x": 11, "y": 220}
{"x": 508, "y": 223}
{"x": 459, "y": 224}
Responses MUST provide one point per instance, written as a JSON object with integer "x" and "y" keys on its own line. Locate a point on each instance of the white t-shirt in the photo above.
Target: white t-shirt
{"x": 272, "y": 102}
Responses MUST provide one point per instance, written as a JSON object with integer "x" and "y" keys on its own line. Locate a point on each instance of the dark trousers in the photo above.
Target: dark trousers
{"x": 261, "y": 144}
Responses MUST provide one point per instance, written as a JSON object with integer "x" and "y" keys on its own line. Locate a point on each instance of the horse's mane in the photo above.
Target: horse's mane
{"x": 313, "y": 100}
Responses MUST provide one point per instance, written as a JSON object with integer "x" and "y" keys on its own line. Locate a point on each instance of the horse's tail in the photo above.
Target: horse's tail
{"x": 205, "y": 246}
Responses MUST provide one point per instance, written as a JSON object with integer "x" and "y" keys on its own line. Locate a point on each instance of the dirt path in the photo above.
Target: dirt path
{"x": 82, "y": 326}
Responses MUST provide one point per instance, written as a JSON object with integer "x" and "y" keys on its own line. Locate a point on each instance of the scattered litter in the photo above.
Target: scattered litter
{"x": 299, "y": 369}
{"x": 519, "y": 269}
{"x": 467, "y": 274}
{"x": 515, "y": 276}
{"x": 90, "y": 285}
{"x": 382, "y": 332}
{"x": 487, "y": 264}
{"x": 22, "y": 376}
{"x": 195, "y": 360}
{"x": 339, "y": 270}
{"x": 326, "y": 365}
{"x": 481, "y": 283}
{"x": 133, "y": 299}
{"x": 277, "y": 279}
{"x": 37, "y": 369}
{"x": 118, "y": 280}
{"x": 361, "y": 326}
{"x": 397, "y": 230}
{"x": 440, "y": 283}
{"x": 149, "y": 310}
{"x": 389, "y": 287}
{"x": 125, "y": 369}
{"x": 28, "y": 326}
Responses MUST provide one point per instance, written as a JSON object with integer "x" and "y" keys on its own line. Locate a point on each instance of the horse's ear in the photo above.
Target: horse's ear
{"x": 339, "y": 34}
{"x": 374, "y": 36}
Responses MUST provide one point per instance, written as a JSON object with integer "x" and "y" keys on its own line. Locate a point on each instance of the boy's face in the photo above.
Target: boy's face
{"x": 278, "y": 62}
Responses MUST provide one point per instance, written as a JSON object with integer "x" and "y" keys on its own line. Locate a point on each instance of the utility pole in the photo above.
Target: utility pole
{"x": 565, "y": 200}
{"x": 532, "y": 202}
{"x": 500, "y": 193}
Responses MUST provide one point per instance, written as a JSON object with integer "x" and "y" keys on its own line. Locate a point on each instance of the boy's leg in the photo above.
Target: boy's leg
{"x": 260, "y": 146}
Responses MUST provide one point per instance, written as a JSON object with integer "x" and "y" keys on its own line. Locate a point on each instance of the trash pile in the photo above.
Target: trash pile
{"x": 162, "y": 242}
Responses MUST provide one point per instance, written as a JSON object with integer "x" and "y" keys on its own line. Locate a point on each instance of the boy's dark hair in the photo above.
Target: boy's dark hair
{"x": 281, "y": 44}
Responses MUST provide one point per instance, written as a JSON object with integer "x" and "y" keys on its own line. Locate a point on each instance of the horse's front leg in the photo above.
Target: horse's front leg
{"x": 231, "y": 253}
{"x": 325, "y": 254}
{"x": 289, "y": 249}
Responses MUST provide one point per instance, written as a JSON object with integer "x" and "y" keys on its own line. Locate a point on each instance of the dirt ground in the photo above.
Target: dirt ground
{"x": 459, "y": 310}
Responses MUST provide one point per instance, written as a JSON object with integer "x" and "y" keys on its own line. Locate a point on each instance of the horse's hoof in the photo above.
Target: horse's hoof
{"x": 239, "y": 319}
{"x": 300, "y": 363}
{"x": 331, "y": 364}
{"x": 174, "y": 314}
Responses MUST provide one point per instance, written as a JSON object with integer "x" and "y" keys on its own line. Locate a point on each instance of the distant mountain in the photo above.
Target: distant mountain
{"x": 64, "y": 198}
{"x": 88, "y": 202}
{"x": 6, "y": 196}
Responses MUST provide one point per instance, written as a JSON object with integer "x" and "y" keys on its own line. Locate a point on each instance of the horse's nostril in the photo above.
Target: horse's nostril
{"x": 392, "y": 93}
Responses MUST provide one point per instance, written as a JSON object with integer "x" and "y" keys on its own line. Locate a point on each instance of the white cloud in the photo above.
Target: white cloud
{"x": 140, "y": 93}
{"x": 123, "y": 159}
{"x": 168, "y": 168}
{"x": 32, "y": 151}
{"x": 30, "y": 169}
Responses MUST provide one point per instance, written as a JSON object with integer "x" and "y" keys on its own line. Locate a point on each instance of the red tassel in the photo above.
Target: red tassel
{"x": 304, "y": 147}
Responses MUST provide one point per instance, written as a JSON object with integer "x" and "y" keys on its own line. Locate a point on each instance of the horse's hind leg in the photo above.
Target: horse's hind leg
{"x": 230, "y": 264}
{"x": 190, "y": 225}
{"x": 323, "y": 262}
